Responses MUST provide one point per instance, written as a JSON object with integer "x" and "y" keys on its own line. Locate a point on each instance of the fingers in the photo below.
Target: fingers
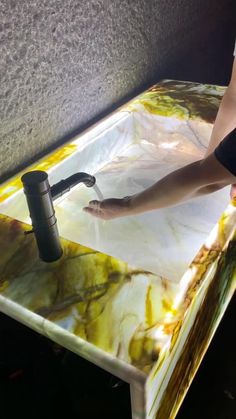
{"x": 94, "y": 209}
{"x": 94, "y": 204}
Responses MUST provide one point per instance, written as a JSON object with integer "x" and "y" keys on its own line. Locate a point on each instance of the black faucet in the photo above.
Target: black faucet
{"x": 39, "y": 196}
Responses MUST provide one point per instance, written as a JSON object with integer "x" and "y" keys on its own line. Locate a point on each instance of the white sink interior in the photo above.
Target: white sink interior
{"x": 128, "y": 152}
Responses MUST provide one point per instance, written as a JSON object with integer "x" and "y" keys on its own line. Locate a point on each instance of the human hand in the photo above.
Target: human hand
{"x": 109, "y": 209}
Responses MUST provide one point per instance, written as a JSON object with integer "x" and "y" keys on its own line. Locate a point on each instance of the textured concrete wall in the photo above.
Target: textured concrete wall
{"x": 63, "y": 63}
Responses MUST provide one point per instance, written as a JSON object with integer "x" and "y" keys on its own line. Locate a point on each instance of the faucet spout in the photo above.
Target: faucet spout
{"x": 39, "y": 196}
{"x": 65, "y": 185}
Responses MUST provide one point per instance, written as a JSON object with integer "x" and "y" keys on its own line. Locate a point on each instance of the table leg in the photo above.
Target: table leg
{"x": 138, "y": 401}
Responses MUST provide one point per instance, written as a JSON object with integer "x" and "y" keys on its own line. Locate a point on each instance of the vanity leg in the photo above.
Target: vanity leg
{"x": 138, "y": 401}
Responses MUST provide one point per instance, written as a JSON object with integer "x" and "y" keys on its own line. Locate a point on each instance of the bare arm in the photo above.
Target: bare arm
{"x": 198, "y": 178}
{"x": 195, "y": 179}
{"x": 226, "y": 117}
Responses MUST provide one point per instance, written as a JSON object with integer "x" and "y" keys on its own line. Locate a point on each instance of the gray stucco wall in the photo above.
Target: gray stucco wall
{"x": 64, "y": 63}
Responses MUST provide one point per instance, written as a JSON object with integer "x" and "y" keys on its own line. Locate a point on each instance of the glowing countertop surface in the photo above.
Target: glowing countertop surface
{"x": 142, "y": 297}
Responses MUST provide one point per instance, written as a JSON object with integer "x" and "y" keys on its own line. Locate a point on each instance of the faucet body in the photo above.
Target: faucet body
{"x": 39, "y": 196}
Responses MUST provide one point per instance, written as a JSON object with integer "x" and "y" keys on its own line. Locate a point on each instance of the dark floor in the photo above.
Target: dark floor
{"x": 41, "y": 380}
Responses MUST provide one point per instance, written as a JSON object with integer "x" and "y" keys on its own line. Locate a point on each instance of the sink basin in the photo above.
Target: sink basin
{"x": 140, "y": 296}
{"x": 127, "y": 152}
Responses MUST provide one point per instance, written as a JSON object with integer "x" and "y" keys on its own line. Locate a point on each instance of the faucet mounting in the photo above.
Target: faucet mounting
{"x": 39, "y": 196}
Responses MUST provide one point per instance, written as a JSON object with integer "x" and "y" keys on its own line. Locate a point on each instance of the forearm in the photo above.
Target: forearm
{"x": 199, "y": 178}
{"x": 225, "y": 121}
{"x": 195, "y": 179}
{"x": 174, "y": 188}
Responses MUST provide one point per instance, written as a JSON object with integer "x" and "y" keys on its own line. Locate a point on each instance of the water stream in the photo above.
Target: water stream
{"x": 98, "y": 192}
{"x": 97, "y": 224}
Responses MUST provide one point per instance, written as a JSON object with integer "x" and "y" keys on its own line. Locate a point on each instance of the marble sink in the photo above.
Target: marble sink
{"x": 139, "y": 296}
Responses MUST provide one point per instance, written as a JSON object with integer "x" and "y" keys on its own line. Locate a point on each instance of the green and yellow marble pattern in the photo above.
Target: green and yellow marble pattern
{"x": 203, "y": 304}
{"x": 182, "y": 100}
{"x": 137, "y": 325}
{"x": 11, "y": 187}
{"x": 94, "y": 296}
{"x": 130, "y": 314}
{"x": 220, "y": 290}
